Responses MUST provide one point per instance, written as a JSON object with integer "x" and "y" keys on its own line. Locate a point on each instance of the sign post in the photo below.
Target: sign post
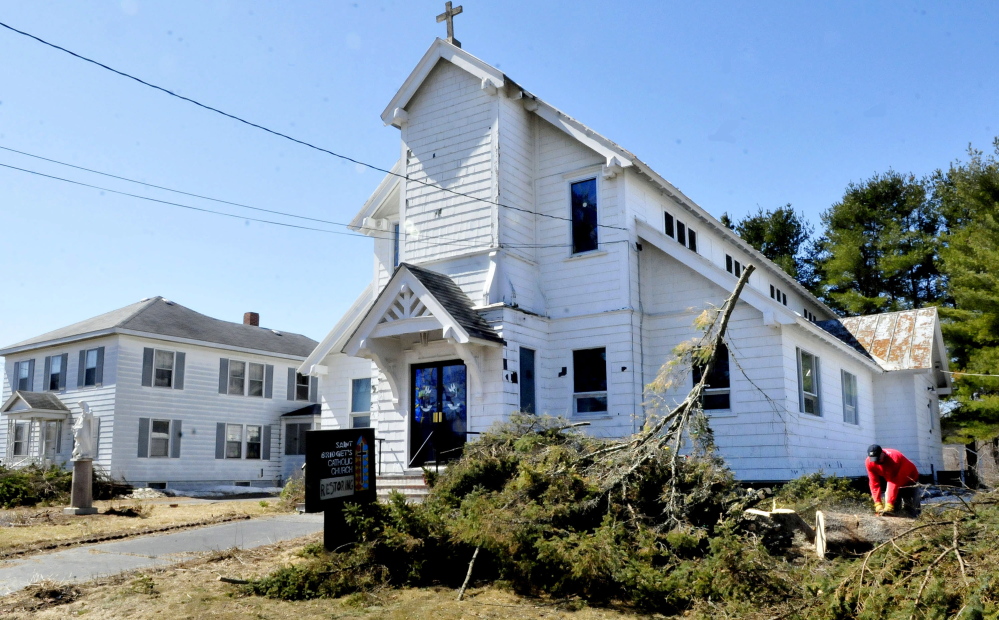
{"x": 339, "y": 468}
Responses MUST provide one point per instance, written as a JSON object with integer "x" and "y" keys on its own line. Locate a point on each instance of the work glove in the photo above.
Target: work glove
{"x": 878, "y": 507}
{"x": 889, "y": 507}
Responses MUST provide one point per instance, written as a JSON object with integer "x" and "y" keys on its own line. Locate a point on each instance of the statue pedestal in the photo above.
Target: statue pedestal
{"x": 82, "y": 500}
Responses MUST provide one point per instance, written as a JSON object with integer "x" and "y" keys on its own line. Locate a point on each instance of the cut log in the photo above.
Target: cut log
{"x": 778, "y": 528}
{"x": 838, "y": 532}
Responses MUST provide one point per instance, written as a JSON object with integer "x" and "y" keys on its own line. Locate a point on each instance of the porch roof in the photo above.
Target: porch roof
{"x": 22, "y": 404}
{"x": 455, "y": 302}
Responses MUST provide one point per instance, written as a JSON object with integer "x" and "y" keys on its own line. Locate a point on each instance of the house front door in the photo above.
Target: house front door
{"x": 439, "y": 412}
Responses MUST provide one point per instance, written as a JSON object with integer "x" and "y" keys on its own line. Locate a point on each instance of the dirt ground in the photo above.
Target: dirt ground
{"x": 193, "y": 590}
{"x": 27, "y": 530}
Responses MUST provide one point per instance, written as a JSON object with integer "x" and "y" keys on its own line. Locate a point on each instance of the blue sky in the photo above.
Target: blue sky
{"x": 741, "y": 105}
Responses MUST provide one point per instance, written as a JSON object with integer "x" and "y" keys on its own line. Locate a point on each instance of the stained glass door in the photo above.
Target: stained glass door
{"x": 439, "y": 412}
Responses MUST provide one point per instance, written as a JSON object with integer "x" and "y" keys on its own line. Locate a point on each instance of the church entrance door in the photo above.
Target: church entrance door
{"x": 439, "y": 413}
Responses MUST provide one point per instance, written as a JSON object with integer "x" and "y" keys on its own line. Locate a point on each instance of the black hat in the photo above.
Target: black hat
{"x": 874, "y": 451}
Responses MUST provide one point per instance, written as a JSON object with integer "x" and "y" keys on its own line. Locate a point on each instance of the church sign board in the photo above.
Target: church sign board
{"x": 339, "y": 468}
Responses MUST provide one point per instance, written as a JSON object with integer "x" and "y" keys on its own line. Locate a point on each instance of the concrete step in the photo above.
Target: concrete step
{"x": 409, "y": 484}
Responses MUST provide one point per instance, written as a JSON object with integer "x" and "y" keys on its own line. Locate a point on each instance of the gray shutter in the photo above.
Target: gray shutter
{"x": 178, "y": 370}
{"x": 59, "y": 437}
{"x": 291, "y": 384}
{"x": 313, "y": 389}
{"x": 100, "y": 366}
{"x": 265, "y": 449}
{"x": 64, "y": 371}
{"x": 220, "y": 440}
{"x": 269, "y": 381}
{"x": 147, "y": 367}
{"x": 175, "y": 444}
{"x": 31, "y": 375}
{"x": 143, "y": 438}
{"x": 45, "y": 373}
{"x": 16, "y": 377}
{"x": 801, "y": 387}
{"x": 223, "y": 375}
{"x": 81, "y": 372}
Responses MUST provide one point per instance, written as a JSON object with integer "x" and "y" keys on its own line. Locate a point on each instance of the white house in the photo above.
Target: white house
{"x": 181, "y": 399}
{"x": 524, "y": 261}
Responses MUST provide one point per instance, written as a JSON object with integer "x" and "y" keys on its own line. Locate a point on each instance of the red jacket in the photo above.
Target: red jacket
{"x": 897, "y": 471}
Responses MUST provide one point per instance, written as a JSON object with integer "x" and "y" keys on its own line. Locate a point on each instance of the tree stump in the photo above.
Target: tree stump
{"x": 838, "y": 532}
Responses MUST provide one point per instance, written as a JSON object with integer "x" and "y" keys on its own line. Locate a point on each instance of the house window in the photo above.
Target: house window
{"x": 301, "y": 387}
{"x": 691, "y": 240}
{"x": 20, "y": 443}
{"x": 52, "y": 443}
{"x": 808, "y": 383}
{"x": 717, "y": 389}
{"x": 237, "y": 377}
{"x": 294, "y": 443}
{"x": 681, "y": 233}
{"x": 850, "y": 398}
{"x": 233, "y": 441}
{"x": 589, "y": 381}
{"x": 24, "y": 375}
{"x": 395, "y": 244}
{"x": 159, "y": 438}
{"x": 733, "y": 266}
{"x": 528, "y": 395}
{"x": 89, "y": 369}
{"x": 255, "y": 380}
{"x": 584, "y": 216}
{"x": 360, "y": 403}
{"x": 668, "y": 226}
{"x": 253, "y": 442}
{"x": 678, "y": 230}
{"x": 809, "y": 316}
{"x": 56, "y": 369}
{"x": 163, "y": 369}
{"x": 778, "y": 295}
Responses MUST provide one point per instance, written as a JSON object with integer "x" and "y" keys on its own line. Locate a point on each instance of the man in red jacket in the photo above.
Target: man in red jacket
{"x": 899, "y": 476}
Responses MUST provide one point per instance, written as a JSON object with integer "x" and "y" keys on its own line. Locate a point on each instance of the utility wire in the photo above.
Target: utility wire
{"x": 286, "y": 136}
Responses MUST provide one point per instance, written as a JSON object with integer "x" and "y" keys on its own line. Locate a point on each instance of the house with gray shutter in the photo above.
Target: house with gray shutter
{"x": 181, "y": 399}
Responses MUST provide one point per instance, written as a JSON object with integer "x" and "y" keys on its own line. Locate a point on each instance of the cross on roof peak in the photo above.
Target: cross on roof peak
{"x": 448, "y": 15}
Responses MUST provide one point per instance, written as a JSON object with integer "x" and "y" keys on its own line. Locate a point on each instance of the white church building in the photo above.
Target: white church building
{"x": 523, "y": 261}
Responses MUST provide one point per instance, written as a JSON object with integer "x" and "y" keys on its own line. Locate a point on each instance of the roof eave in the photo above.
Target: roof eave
{"x": 57, "y": 341}
{"x": 207, "y": 344}
{"x": 389, "y": 182}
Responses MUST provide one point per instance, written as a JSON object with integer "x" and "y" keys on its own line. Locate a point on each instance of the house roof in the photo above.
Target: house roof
{"x": 157, "y": 316}
{"x": 616, "y": 156}
{"x": 36, "y": 400}
{"x": 896, "y": 340}
{"x": 455, "y": 301}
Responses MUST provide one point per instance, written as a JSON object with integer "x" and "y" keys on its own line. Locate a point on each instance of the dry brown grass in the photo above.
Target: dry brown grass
{"x": 29, "y": 528}
{"x": 192, "y": 590}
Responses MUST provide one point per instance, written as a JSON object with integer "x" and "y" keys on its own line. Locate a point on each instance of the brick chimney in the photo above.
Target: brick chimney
{"x": 251, "y": 318}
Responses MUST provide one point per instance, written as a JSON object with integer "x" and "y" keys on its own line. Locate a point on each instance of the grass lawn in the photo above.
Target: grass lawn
{"x": 28, "y": 529}
{"x": 193, "y": 590}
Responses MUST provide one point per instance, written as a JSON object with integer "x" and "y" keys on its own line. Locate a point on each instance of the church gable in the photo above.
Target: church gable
{"x": 407, "y": 305}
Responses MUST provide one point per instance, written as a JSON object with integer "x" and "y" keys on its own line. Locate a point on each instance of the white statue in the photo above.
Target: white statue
{"x": 83, "y": 434}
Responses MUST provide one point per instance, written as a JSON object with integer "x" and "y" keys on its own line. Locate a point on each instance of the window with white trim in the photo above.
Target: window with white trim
{"x": 850, "y": 398}
{"x": 676, "y": 229}
{"x": 717, "y": 389}
{"x": 89, "y": 369}
{"x": 163, "y": 366}
{"x": 24, "y": 375}
{"x": 589, "y": 381}
{"x": 301, "y": 386}
{"x": 19, "y": 447}
{"x": 159, "y": 438}
{"x": 777, "y": 295}
{"x": 583, "y": 203}
{"x": 233, "y": 441}
{"x": 395, "y": 244}
{"x": 733, "y": 266}
{"x": 294, "y": 438}
{"x": 55, "y": 380}
{"x": 808, "y": 315}
{"x": 360, "y": 403}
{"x": 253, "y": 441}
{"x": 809, "y": 386}
{"x": 237, "y": 377}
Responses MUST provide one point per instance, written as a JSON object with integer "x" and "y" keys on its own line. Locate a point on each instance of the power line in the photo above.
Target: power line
{"x": 288, "y": 137}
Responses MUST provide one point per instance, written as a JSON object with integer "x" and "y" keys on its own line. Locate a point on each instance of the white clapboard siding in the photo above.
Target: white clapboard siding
{"x": 517, "y": 161}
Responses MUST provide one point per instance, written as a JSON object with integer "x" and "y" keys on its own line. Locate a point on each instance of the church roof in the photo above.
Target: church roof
{"x": 895, "y": 340}
{"x": 157, "y": 316}
{"x": 455, "y": 301}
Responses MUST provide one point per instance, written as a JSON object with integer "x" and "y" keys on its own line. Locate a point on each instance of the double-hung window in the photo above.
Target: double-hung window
{"x": 24, "y": 375}
{"x": 583, "y": 198}
{"x": 850, "y": 398}
{"x": 90, "y": 371}
{"x": 294, "y": 441}
{"x": 360, "y": 403}
{"x": 301, "y": 386}
{"x": 233, "y": 441}
{"x": 253, "y": 440}
{"x": 237, "y": 377}
{"x": 159, "y": 438}
{"x": 717, "y": 389}
{"x": 55, "y": 372}
{"x": 245, "y": 378}
{"x": 809, "y": 387}
{"x": 589, "y": 381}
{"x": 163, "y": 369}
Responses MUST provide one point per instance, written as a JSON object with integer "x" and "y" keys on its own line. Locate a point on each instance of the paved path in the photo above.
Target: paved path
{"x": 152, "y": 551}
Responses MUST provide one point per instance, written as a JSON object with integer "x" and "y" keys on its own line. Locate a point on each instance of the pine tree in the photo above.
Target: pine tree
{"x": 780, "y": 235}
